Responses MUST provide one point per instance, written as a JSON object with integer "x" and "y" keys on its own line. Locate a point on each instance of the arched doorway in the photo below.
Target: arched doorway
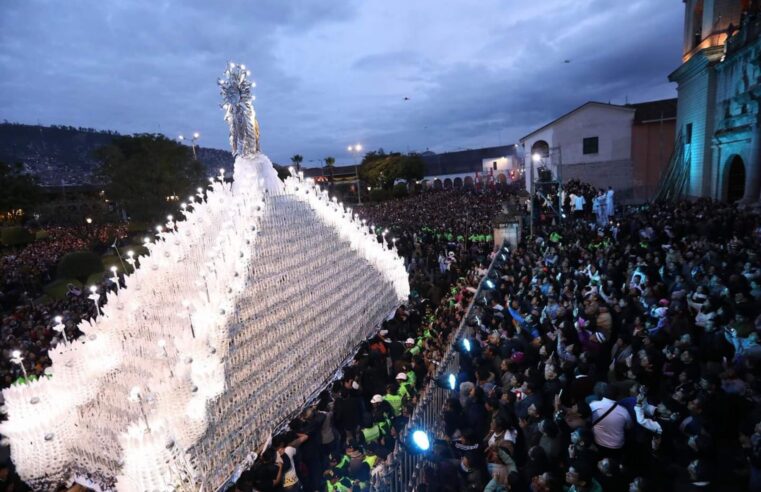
{"x": 448, "y": 184}
{"x": 437, "y": 184}
{"x": 457, "y": 183}
{"x": 735, "y": 179}
{"x": 468, "y": 182}
{"x": 540, "y": 147}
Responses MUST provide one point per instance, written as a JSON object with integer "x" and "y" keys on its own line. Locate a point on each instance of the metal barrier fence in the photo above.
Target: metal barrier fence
{"x": 404, "y": 470}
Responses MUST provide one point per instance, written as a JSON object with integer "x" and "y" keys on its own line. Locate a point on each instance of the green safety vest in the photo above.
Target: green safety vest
{"x": 396, "y": 403}
{"x": 344, "y": 462}
{"x": 371, "y": 460}
{"x": 343, "y": 485}
{"x": 371, "y": 434}
{"x": 414, "y": 350}
{"x": 404, "y": 392}
{"x": 411, "y": 377}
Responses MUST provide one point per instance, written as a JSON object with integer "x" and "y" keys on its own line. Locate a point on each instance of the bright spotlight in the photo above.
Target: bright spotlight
{"x": 452, "y": 381}
{"x": 536, "y": 157}
{"x": 466, "y": 344}
{"x": 421, "y": 440}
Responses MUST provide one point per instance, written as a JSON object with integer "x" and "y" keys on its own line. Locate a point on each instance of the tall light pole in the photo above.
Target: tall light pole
{"x": 193, "y": 142}
{"x": 356, "y": 149}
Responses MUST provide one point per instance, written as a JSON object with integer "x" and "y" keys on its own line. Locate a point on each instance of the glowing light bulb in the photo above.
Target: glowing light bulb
{"x": 421, "y": 440}
{"x": 16, "y": 354}
{"x": 58, "y": 319}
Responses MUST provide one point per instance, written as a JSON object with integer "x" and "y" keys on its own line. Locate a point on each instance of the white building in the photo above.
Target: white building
{"x": 471, "y": 168}
{"x": 592, "y": 143}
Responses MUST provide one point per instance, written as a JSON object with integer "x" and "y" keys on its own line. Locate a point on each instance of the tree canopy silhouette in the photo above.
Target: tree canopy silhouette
{"x": 148, "y": 174}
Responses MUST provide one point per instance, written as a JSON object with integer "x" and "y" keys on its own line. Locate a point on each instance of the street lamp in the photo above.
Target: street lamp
{"x": 193, "y": 142}
{"x": 356, "y": 149}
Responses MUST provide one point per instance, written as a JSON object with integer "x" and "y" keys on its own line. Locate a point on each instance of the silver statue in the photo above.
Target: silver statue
{"x": 239, "y": 110}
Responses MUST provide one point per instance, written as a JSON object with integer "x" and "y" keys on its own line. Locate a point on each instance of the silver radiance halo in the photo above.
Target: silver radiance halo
{"x": 238, "y": 316}
{"x": 238, "y": 103}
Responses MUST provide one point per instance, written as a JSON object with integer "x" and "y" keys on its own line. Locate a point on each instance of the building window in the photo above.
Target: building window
{"x": 494, "y": 165}
{"x": 591, "y": 145}
{"x": 688, "y": 134}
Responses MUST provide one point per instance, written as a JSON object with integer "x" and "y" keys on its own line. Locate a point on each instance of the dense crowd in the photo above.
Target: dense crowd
{"x": 615, "y": 358}
{"x": 26, "y": 319}
{"x": 616, "y": 355}
{"x": 433, "y": 230}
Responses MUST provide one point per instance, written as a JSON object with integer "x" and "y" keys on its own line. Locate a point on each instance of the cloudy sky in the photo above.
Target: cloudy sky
{"x": 333, "y": 72}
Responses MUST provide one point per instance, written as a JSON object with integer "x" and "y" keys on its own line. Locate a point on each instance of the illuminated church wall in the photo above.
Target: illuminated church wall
{"x": 718, "y": 97}
{"x": 737, "y": 119}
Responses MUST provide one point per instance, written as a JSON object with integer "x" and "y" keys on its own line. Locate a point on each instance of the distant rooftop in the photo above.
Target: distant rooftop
{"x": 462, "y": 161}
{"x": 313, "y": 172}
{"x": 650, "y": 111}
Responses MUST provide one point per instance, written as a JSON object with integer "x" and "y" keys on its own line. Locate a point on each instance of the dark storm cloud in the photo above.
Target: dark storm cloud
{"x": 390, "y": 74}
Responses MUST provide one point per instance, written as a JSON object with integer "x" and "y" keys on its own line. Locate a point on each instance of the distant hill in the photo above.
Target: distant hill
{"x": 63, "y": 155}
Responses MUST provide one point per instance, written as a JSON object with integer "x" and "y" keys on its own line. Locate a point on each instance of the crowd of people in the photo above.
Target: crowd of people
{"x": 616, "y": 355}
{"x": 433, "y": 230}
{"x": 615, "y": 358}
{"x": 26, "y": 320}
{"x": 348, "y": 435}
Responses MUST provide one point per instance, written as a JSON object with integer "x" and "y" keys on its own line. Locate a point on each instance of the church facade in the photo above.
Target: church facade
{"x": 718, "y": 115}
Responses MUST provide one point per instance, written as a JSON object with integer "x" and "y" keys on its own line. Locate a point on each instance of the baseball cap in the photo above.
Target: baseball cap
{"x": 401, "y": 376}
{"x": 376, "y": 399}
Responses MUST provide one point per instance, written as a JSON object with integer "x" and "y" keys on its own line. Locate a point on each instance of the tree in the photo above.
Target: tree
{"x": 20, "y": 190}
{"x": 296, "y": 160}
{"x": 383, "y": 170}
{"x": 142, "y": 171}
{"x": 330, "y": 163}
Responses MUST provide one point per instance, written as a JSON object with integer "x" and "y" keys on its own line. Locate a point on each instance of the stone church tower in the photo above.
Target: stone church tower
{"x": 718, "y": 111}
